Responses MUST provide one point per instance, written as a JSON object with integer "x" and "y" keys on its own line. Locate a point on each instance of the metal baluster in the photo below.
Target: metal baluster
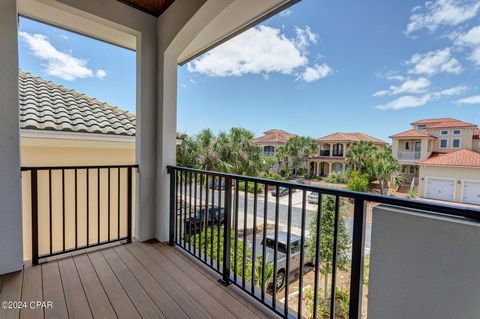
{"x": 317, "y": 255}
{"x": 245, "y": 217}
{"x": 235, "y": 250}
{"x": 34, "y": 203}
{"x": 200, "y": 216}
{"x": 109, "y": 199}
{"x": 195, "y": 215}
{"x": 63, "y": 209}
{"x": 302, "y": 253}
{"x": 172, "y": 196}
{"x": 334, "y": 259}
{"x": 212, "y": 219}
{"x": 98, "y": 205}
{"x": 129, "y": 205}
{"x": 254, "y": 236}
{"x": 190, "y": 219}
{"x": 88, "y": 206}
{"x": 275, "y": 251}
{"x": 219, "y": 219}
{"x": 50, "y": 209}
{"x": 289, "y": 239}
{"x": 356, "y": 280}
{"x": 182, "y": 203}
{"x": 118, "y": 202}
{"x": 76, "y": 212}
{"x": 226, "y": 231}
{"x": 206, "y": 225}
{"x": 264, "y": 240}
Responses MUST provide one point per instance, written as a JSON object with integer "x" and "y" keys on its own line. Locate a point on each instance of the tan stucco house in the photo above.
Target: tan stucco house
{"x": 442, "y": 156}
{"x": 271, "y": 140}
{"x": 332, "y": 151}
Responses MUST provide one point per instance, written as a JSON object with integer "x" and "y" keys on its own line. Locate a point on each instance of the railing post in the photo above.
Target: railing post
{"x": 227, "y": 227}
{"x": 129, "y": 204}
{"x": 173, "y": 174}
{"x": 358, "y": 241}
{"x": 34, "y": 198}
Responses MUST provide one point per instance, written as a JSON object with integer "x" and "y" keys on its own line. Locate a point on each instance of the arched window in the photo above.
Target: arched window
{"x": 269, "y": 150}
{"x": 338, "y": 150}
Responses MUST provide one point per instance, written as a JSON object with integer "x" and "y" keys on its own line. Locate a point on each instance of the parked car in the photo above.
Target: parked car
{"x": 196, "y": 223}
{"x": 295, "y": 248}
{"x": 312, "y": 198}
{"x": 282, "y": 191}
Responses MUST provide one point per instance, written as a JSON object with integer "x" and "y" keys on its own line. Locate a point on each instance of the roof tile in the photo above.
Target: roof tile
{"x": 350, "y": 137}
{"x": 463, "y": 157}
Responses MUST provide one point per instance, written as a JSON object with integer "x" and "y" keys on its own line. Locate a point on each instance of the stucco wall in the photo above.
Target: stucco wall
{"x": 79, "y": 153}
{"x": 465, "y": 137}
{"x": 458, "y": 173}
{"x": 423, "y": 266}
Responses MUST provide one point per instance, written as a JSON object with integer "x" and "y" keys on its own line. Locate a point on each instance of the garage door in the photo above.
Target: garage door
{"x": 440, "y": 189}
{"x": 471, "y": 192}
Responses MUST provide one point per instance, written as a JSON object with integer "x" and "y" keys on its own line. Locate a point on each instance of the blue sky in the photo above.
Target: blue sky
{"x": 323, "y": 66}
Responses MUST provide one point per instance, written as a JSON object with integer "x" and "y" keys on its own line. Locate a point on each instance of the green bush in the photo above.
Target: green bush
{"x": 301, "y": 171}
{"x": 274, "y": 176}
{"x": 357, "y": 182}
{"x": 250, "y": 187}
{"x": 285, "y": 172}
{"x": 342, "y": 298}
{"x": 336, "y": 178}
{"x": 413, "y": 193}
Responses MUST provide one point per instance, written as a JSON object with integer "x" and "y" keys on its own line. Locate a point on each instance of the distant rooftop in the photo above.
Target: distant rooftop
{"x": 445, "y": 122}
{"x": 350, "y": 137}
{"x": 463, "y": 157}
{"x": 413, "y": 134}
{"x": 274, "y": 136}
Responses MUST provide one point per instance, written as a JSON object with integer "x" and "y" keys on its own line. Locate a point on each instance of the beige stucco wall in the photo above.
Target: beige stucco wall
{"x": 476, "y": 145}
{"x": 458, "y": 173}
{"x": 36, "y": 152}
{"x": 466, "y": 138}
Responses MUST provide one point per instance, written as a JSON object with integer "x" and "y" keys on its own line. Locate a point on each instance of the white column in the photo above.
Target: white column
{"x": 11, "y": 253}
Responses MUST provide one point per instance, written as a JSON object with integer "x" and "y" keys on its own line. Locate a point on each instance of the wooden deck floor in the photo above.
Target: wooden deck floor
{"x": 138, "y": 280}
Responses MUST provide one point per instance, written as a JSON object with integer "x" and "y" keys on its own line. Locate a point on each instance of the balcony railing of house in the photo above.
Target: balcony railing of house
{"x": 338, "y": 154}
{"x": 234, "y": 225}
{"x": 78, "y": 207}
{"x": 324, "y": 152}
{"x": 408, "y": 155}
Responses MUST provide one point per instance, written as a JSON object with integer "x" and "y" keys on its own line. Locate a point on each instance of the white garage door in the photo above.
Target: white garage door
{"x": 471, "y": 192}
{"x": 440, "y": 189}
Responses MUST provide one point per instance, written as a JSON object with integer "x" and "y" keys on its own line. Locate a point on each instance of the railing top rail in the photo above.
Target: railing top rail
{"x": 39, "y": 168}
{"x": 444, "y": 209}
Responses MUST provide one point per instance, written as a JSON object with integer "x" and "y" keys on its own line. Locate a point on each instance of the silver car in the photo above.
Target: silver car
{"x": 295, "y": 243}
{"x": 312, "y": 198}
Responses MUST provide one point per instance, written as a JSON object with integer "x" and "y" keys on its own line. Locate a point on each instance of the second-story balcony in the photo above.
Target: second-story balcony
{"x": 408, "y": 155}
{"x": 324, "y": 152}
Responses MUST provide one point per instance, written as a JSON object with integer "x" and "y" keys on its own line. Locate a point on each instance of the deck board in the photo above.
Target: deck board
{"x": 137, "y": 280}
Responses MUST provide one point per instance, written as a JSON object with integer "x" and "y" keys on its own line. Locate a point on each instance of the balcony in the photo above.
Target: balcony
{"x": 408, "y": 155}
{"x": 324, "y": 152}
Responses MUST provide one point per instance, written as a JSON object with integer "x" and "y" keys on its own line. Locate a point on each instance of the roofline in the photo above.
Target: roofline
{"x": 48, "y": 134}
{"x": 445, "y": 165}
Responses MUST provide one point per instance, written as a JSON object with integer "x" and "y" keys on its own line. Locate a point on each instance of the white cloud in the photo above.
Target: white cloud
{"x": 318, "y": 71}
{"x": 100, "y": 73}
{"x": 471, "y": 39}
{"x": 442, "y": 13}
{"x": 434, "y": 62}
{"x": 475, "y": 99}
{"x": 60, "y": 64}
{"x": 404, "y": 102}
{"x": 411, "y": 101}
{"x": 413, "y": 86}
{"x": 262, "y": 50}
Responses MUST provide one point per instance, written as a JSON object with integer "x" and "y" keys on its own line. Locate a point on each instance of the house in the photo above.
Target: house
{"x": 130, "y": 272}
{"x": 270, "y": 141}
{"x": 332, "y": 150}
{"x": 442, "y": 155}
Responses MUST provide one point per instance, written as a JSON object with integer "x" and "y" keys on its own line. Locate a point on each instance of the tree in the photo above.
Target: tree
{"x": 326, "y": 241}
{"x": 361, "y": 155}
{"x": 282, "y": 155}
{"x": 357, "y": 182}
{"x": 297, "y": 150}
{"x": 386, "y": 167}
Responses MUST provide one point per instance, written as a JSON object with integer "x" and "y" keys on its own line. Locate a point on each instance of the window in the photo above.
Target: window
{"x": 444, "y": 132}
{"x": 412, "y": 169}
{"x": 456, "y": 143}
{"x": 269, "y": 150}
{"x": 404, "y": 168}
{"x": 457, "y": 132}
{"x": 422, "y": 127}
{"x": 443, "y": 143}
{"x": 407, "y": 145}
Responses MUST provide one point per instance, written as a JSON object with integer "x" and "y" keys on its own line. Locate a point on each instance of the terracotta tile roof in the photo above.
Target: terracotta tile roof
{"x": 431, "y": 121}
{"x": 412, "y": 134}
{"x": 446, "y": 122}
{"x": 463, "y": 157}
{"x": 476, "y": 134}
{"x": 48, "y": 106}
{"x": 350, "y": 137}
{"x": 274, "y": 136}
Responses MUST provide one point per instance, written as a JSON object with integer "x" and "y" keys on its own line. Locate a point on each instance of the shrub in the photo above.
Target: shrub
{"x": 413, "y": 193}
{"x": 250, "y": 187}
{"x": 285, "y": 172}
{"x": 274, "y": 176}
{"x": 357, "y": 182}
{"x": 301, "y": 171}
{"x": 342, "y": 298}
{"x": 308, "y": 298}
{"x": 336, "y": 178}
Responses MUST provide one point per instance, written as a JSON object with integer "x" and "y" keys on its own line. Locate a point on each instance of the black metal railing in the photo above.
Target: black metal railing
{"x": 218, "y": 219}
{"x": 78, "y": 207}
{"x": 324, "y": 152}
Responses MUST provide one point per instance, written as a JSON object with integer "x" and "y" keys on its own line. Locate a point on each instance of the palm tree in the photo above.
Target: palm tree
{"x": 309, "y": 147}
{"x": 361, "y": 155}
{"x": 282, "y": 155}
{"x": 207, "y": 157}
{"x": 386, "y": 167}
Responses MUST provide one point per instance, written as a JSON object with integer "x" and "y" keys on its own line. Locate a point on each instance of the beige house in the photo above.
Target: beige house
{"x": 332, "y": 151}
{"x": 271, "y": 140}
{"x": 442, "y": 156}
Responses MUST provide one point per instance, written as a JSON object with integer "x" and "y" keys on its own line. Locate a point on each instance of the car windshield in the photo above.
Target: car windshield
{"x": 281, "y": 246}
